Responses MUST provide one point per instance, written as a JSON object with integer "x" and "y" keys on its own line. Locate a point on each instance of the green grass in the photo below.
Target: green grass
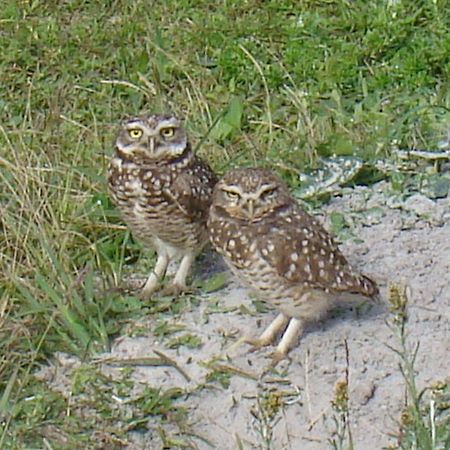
{"x": 278, "y": 83}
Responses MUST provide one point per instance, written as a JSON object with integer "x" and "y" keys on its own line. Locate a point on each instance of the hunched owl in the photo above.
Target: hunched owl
{"x": 274, "y": 247}
{"x": 163, "y": 191}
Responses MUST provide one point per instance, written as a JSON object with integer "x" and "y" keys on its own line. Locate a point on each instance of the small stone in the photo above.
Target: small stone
{"x": 363, "y": 392}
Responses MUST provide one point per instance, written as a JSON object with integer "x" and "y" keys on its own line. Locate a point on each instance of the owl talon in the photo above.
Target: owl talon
{"x": 147, "y": 291}
{"x": 276, "y": 356}
{"x": 257, "y": 343}
{"x": 145, "y": 295}
{"x": 269, "y": 334}
{"x": 175, "y": 290}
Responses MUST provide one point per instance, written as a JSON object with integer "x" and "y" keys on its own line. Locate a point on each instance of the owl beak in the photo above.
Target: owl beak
{"x": 250, "y": 208}
{"x": 151, "y": 145}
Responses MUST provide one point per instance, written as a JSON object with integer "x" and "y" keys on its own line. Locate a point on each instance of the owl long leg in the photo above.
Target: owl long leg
{"x": 179, "y": 282}
{"x": 270, "y": 332}
{"x": 293, "y": 331}
{"x": 156, "y": 274}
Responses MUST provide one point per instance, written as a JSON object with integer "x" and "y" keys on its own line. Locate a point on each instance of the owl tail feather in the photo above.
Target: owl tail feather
{"x": 370, "y": 288}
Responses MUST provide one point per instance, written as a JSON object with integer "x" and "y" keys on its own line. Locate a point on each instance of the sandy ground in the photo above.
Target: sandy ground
{"x": 400, "y": 242}
{"x": 290, "y": 407}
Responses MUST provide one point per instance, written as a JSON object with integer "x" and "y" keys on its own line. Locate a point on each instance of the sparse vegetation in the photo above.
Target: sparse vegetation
{"x": 278, "y": 83}
{"x": 341, "y": 437}
{"x": 424, "y": 422}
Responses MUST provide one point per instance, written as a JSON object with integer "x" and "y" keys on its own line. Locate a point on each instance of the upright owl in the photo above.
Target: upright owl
{"x": 163, "y": 192}
{"x": 273, "y": 246}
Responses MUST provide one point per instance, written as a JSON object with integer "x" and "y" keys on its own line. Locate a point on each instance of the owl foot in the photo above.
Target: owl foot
{"x": 153, "y": 282}
{"x": 256, "y": 343}
{"x": 269, "y": 334}
{"x": 276, "y": 356}
{"x": 289, "y": 339}
{"x": 175, "y": 290}
{"x": 148, "y": 291}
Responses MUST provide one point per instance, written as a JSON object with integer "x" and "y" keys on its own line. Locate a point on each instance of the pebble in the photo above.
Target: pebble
{"x": 363, "y": 392}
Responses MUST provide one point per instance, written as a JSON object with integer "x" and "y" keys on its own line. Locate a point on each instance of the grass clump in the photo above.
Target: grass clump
{"x": 85, "y": 408}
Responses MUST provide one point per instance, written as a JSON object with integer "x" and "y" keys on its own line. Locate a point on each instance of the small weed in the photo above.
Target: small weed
{"x": 220, "y": 376}
{"x": 342, "y": 437}
{"x": 186, "y": 340}
{"x": 423, "y": 423}
{"x": 268, "y": 409}
{"x": 213, "y": 283}
{"x": 222, "y": 372}
{"x": 164, "y": 328}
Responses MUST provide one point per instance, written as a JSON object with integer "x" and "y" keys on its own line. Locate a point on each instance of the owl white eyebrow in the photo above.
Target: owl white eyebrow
{"x": 257, "y": 194}
{"x": 167, "y": 124}
{"x": 232, "y": 189}
{"x": 131, "y": 125}
{"x": 265, "y": 187}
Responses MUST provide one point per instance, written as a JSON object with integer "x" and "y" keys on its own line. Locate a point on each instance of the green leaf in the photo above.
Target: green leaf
{"x": 341, "y": 145}
{"x": 260, "y": 306}
{"x": 436, "y": 186}
{"x": 4, "y": 400}
{"x": 337, "y": 222}
{"x": 398, "y": 180}
{"x": 231, "y": 121}
{"x": 234, "y": 115}
{"x": 214, "y": 283}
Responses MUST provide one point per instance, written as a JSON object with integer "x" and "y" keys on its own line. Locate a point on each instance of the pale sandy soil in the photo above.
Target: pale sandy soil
{"x": 398, "y": 242}
{"x": 401, "y": 242}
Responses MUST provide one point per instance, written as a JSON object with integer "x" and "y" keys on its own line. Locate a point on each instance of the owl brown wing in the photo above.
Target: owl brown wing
{"x": 192, "y": 189}
{"x": 303, "y": 252}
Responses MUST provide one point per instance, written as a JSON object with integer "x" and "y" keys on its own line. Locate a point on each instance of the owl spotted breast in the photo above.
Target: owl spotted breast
{"x": 273, "y": 246}
{"x": 163, "y": 192}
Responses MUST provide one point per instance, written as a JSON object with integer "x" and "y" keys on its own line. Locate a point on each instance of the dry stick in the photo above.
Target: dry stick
{"x": 424, "y": 154}
{"x": 144, "y": 361}
{"x": 163, "y": 360}
{"x": 307, "y": 392}
{"x": 172, "y": 363}
{"x": 126, "y": 84}
{"x": 226, "y": 368}
{"x": 347, "y": 412}
{"x": 74, "y": 122}
{"x": 314, "y": 420}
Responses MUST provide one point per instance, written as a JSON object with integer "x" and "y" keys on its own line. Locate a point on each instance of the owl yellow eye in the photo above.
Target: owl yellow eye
{"x": 135, "y": 133}
{"x": 268, "y": 193}
{"x": 232, "y": 195}
{"x": 167, "y": 132}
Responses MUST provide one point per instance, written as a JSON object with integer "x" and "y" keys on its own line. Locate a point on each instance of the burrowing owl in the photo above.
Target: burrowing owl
{"x": 276, "y": 248}
{"x": 163, "y": 192}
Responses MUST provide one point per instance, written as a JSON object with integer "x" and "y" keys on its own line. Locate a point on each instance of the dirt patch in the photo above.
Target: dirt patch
{"x": 230, "y": 404}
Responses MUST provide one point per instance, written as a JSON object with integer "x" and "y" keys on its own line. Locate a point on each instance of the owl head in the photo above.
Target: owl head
{"x": 250, "y": 194}
{"x": 152, "y": 137}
